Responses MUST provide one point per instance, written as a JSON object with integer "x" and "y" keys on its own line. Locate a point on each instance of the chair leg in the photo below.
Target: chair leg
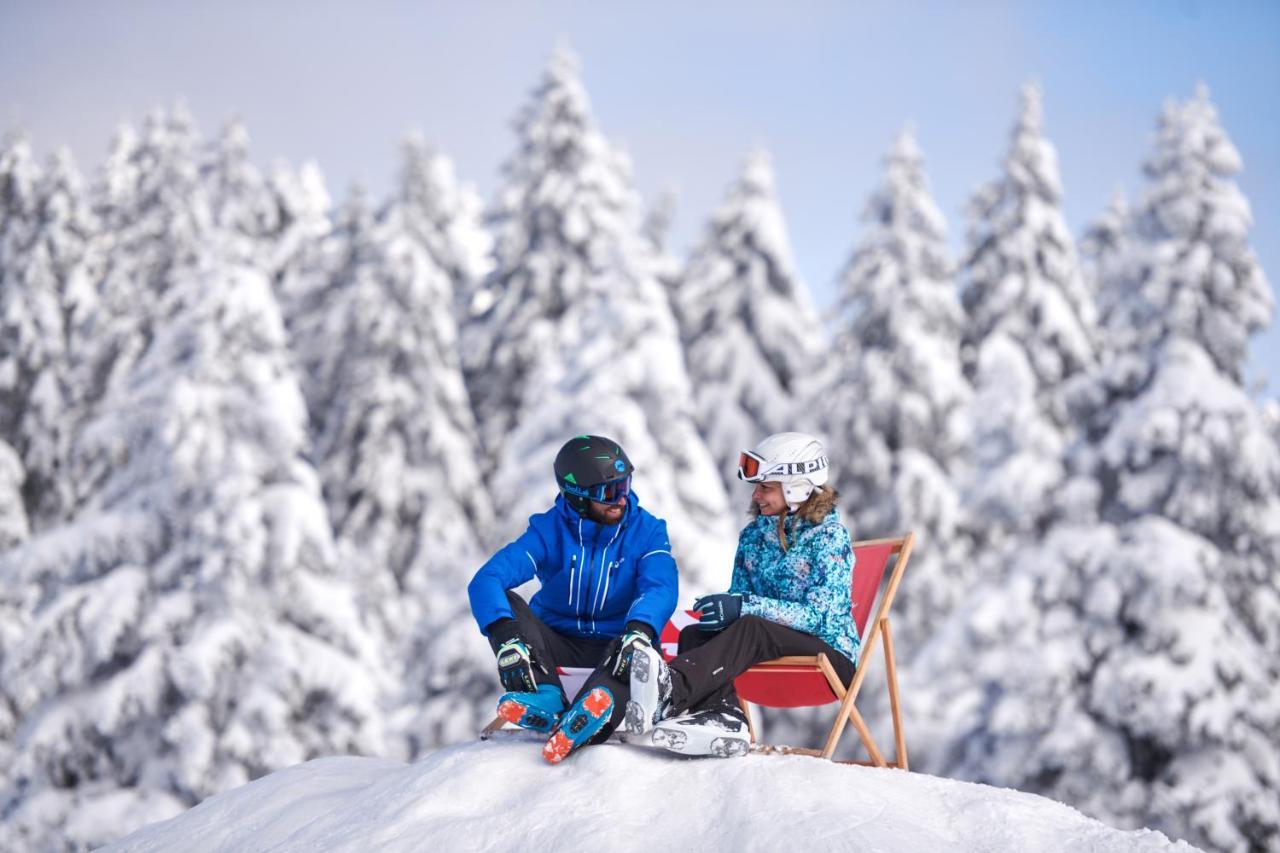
{"x": 860, "y": 725}
{"x": 497, "y": 723}
{"x": 847, "y": 708}
{"x": 895, "y": 704}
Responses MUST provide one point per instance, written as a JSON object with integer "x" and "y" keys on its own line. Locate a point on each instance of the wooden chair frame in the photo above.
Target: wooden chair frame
{"x": 848, "y": 695}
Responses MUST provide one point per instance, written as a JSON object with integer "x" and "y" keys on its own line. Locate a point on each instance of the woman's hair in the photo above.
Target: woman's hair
{"x": 816, "y": 507}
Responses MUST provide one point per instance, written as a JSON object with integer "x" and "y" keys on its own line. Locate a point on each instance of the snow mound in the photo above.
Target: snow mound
{"x": 499, "y": 796}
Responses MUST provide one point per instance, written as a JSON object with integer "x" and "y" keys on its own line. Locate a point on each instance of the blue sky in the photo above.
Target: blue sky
{"x": 687, "y": 89}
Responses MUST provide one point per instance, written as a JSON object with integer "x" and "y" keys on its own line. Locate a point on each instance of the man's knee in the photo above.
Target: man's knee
{"x": 520, "y": 609}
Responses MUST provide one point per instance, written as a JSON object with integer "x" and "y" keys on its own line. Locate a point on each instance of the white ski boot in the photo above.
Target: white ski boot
{"x": 650, "y": 690}
{"x": 720, "y": 732}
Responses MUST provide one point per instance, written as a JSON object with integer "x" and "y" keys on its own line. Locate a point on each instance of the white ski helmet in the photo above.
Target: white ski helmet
{"x": 794, "y": 459}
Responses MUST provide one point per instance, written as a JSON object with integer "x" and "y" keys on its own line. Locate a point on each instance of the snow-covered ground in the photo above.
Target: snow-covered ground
{"x": 500, "y": 796}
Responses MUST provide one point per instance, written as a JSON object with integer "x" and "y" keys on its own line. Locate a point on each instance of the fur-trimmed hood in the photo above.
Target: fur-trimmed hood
{"x": 818, "y": 505}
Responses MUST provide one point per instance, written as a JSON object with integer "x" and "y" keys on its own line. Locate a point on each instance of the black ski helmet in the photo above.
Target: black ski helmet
{"x": 586, "y": 463}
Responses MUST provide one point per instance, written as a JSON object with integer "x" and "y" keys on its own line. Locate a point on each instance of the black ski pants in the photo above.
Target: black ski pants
{"x": 703, "y": 672}
{"x": 552, "y": 649}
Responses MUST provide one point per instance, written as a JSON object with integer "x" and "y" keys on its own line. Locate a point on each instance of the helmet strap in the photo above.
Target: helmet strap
{"x": 578, "y": 504}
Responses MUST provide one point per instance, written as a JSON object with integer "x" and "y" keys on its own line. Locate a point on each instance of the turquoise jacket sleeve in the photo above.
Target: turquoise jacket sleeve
{"x": 738, "y": 583}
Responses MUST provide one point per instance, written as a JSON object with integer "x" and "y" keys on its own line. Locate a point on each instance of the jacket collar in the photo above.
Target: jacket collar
{"x": 592, "y": 528}
{"x": 795, "y": 524}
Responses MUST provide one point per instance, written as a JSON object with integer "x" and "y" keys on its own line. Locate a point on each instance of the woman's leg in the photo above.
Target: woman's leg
{"x": 703, "y": 673}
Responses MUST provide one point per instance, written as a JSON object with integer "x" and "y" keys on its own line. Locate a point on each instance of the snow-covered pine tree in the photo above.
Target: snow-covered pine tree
{"x": 894, "y": 400}
{"x": 1021, "y": 276}
{"x": 656, "y": 230}
{"x": 240, "y": 200}
{"x": 1129, "y": 665}
{"x": 45, "y": 291}
{"x": 395, "y": 439}
{"x": 302, "y": 228}
{"x": 1105, "y": 246}
{"x": 148, "y": 228}
{"x": 1023, "y": 287}
{"x": 190, "y": 630}
{"x": 445, "y": 216}
{"x": 13, "y": 514}
{"x": 28, "y": 304}
{"x": 13, "y": 619}
{"x": 573, "y": 334}
{"x": 656, "y": 227}
{"x": 750, "y": 332}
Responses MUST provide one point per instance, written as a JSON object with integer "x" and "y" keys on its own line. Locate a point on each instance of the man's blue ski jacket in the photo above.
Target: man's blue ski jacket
{"x": 595, "y": 577}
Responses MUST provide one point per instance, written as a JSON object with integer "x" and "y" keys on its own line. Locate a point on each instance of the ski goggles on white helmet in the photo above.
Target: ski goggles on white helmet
{"x": 612, "y": 492}
{"x": 755, "y": 469}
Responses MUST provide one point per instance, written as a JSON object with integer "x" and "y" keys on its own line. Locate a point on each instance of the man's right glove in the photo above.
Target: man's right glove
{"x": 516, "y": 660}
{"x": 718, "y": 610}
{"x": 617, "y": 658}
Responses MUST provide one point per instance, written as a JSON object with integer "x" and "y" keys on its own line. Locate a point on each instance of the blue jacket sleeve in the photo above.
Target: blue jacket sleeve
{"x": 511, "y": 566}
{"x": 658, "y": 581}
{"x": 825, "y": 597}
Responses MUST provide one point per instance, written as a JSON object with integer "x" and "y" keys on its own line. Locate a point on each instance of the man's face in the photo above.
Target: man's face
{"x": 606, "y": 513}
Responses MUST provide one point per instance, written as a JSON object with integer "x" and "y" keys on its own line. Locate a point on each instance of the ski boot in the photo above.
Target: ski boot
{"x": 579, "y": 724}
{"x": 538, "y": 711}
{"x": 650, "y": 690}
{"x": 719, "y": 732}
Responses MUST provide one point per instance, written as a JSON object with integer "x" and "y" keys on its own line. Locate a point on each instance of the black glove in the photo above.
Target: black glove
{"x": 617, "y": 657}
{"x": 718, "y": 610}
{"x": 516, "y": 660}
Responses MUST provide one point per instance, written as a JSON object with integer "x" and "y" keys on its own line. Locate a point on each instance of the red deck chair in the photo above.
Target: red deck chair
{"x": 807, "y": 680}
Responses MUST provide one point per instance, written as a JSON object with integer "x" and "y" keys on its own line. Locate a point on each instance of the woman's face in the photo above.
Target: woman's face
{"x": 768, "y": 497}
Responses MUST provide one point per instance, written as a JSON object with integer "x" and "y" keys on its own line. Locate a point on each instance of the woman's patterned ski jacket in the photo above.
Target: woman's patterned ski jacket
{"x": 807, "y": 586}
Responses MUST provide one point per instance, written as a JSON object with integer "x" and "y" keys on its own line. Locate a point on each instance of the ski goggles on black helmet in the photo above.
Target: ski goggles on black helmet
{"x": 612, "y": 492}
{"x": 755, "y": 469}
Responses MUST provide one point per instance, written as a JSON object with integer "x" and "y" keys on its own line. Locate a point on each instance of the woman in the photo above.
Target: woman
{"x": 789, "y": 596}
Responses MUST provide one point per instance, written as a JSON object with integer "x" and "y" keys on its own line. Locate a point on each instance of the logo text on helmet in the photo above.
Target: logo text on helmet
{"x": 795, "y": 469}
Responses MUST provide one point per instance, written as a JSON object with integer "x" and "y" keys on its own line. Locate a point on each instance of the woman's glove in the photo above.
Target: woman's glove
{"x": 718, "y": 610}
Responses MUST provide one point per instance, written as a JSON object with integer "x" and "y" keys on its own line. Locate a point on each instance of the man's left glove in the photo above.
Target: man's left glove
{"x": 718, "y": 610}
{"x": 617, "y": 658}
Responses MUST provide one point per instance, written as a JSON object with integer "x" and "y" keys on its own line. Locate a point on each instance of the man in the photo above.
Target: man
{"x": 609, "y": 584}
